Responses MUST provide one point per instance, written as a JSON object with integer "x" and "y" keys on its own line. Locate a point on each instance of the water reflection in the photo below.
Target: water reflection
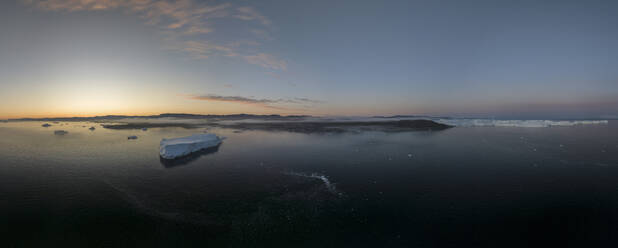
{"x": 171, "y": 163}
{"x": 276, "y": 189}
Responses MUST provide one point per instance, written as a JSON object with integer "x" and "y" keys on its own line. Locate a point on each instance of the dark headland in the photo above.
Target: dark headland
{"x": 341, "y": 126}
{"x": 292, "y": 123}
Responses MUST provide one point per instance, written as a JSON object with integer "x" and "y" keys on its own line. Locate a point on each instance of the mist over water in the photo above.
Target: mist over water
{"x": 461, "y": 187}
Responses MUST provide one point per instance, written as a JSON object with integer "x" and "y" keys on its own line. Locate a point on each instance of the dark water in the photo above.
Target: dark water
{"x": 463, "y": 187}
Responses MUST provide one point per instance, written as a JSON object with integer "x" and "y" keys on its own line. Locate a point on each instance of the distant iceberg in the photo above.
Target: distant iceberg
{"x": 178, "y": 147}
{"x": 60, "y": 132}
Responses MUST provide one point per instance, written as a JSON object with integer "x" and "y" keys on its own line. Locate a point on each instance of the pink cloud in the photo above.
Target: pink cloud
{"x": 184, "y": 22}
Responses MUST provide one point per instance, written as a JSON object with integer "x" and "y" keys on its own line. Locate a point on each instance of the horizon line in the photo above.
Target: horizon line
{"x": 172, "y": 114}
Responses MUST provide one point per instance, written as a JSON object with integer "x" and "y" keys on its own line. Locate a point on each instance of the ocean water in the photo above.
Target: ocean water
{"x": 489, "y": 186}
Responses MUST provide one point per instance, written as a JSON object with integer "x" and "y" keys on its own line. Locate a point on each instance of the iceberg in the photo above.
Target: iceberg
{"x": 178, "y": 147}
{"x": 60, "y": 132}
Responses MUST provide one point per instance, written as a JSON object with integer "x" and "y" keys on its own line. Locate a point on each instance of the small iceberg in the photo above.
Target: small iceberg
{"x": 60, "y": 132}
{"x": 132, "y": 137}
{"x": 46, "y": 125}
{"x": 178, "y": 147}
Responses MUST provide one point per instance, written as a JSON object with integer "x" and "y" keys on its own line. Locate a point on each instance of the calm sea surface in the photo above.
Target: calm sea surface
{"x": 462, "y": 187}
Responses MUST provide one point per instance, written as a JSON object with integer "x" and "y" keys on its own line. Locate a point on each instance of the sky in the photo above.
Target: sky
{"x": 494, "y": 59}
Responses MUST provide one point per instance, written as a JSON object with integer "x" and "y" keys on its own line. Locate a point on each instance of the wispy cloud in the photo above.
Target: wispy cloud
{"x": 250, "y": 14}
{"x": 264, "y": 103}
{"x": 307, "y": 100}
{"x": 263, "y": 34}
{"x": 75, "y": 5}
{"x": 239, "y": 99}
{"x": 261, "y": 102}
{"x": 187, "y": 24}
{"x": 201, "y": 49}
{"x": 267, "y": 61}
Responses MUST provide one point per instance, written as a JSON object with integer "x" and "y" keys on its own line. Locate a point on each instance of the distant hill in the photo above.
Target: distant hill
{"x": 408, "y": 116}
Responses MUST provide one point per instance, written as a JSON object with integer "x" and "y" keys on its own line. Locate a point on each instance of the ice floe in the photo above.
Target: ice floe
{"x": 178, "y": 147}
{"x": 518, "y": 123}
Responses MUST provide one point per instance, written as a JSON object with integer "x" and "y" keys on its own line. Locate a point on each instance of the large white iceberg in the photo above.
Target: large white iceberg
{"x": 178, "y": 147}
